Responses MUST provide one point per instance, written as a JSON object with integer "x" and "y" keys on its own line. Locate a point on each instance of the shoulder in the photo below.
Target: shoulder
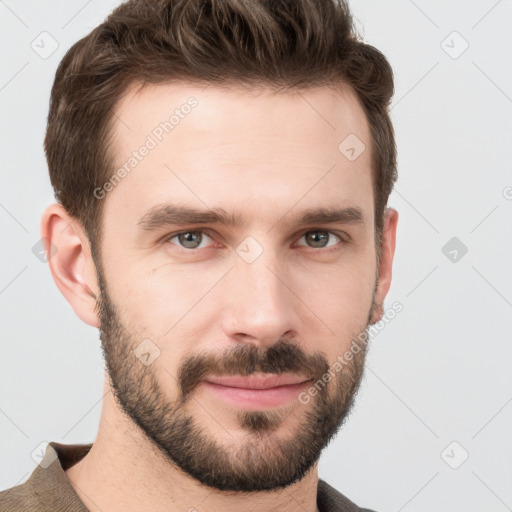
{"x": 17, "y": 498}
{"x": 47, "y": 488}
{"x": 331, "y": 500}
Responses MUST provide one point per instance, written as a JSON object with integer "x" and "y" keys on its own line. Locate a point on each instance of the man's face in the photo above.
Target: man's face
{"x": 184, "y": 302}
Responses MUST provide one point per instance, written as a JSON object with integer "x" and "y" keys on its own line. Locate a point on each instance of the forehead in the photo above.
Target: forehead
{"x": 240, "y": 148}
{"x": 238, "y": 110}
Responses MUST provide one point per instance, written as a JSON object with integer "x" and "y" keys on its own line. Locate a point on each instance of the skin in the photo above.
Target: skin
{"x": 265, "y": 157}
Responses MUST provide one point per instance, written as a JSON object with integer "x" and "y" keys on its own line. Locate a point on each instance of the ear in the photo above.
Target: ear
{"x": 386, "y": 263}
{"x": 71, "y": 264}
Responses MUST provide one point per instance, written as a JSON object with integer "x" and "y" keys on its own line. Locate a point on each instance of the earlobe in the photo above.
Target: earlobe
{"x": 377, "y": 313}
{"x": 386, "y": 263}
{"x": 71, "y": 263}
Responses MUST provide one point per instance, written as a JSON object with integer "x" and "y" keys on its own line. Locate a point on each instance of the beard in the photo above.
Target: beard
{"x": 265, "y": 459}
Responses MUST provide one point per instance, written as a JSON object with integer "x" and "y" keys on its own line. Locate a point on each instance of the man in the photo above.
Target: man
{"x": 222, "y": 171}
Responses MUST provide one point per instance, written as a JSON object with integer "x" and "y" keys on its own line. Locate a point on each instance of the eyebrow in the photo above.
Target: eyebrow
{"x": 165, "y": 215}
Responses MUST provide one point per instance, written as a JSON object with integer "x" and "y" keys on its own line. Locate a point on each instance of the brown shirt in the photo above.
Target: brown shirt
{"x": 49, "y": 490}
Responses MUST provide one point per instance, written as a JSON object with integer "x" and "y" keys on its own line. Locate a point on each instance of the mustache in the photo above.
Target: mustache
{"x": 246, "y": 359}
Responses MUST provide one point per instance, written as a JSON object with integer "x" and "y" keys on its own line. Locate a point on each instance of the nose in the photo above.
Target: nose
{"x": 259, "y": 305}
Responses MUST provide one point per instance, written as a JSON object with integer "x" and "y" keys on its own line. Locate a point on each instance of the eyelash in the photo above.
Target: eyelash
{"x": 344, "y": 240}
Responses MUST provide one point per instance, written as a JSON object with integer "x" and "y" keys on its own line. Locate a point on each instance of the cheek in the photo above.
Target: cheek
{"x": 340, "y": 299}
{"x": 168, "y": 304}
{"x": 145, "y": 285}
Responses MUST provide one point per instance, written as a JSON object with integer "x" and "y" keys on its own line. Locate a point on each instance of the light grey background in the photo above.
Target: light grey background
{"x": 439, "y": 372}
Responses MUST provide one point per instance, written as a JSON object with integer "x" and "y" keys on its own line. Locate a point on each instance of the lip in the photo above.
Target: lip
{"x": 256, "y": 392}
{"x": 265, "y": 381}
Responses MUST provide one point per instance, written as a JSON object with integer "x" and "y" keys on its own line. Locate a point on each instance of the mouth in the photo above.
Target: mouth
{"x": 263, "y": 381}
{"x": 257, "y": 391}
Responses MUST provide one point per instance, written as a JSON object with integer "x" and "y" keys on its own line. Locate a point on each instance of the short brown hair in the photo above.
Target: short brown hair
{"x": 282, "y": 44}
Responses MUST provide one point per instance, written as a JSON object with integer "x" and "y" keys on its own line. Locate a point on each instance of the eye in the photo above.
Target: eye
{"x": 192, "y": 240}
{"x": 319, "y": 239}
{"x": 189, "y": 239}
